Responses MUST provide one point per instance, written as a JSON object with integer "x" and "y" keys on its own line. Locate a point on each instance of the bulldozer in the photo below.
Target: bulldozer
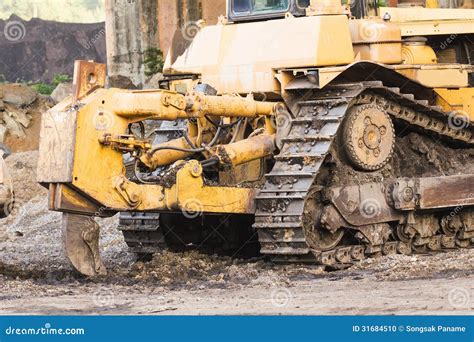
{"x": 7, "y": 197}
{"x": 317, "y": 131}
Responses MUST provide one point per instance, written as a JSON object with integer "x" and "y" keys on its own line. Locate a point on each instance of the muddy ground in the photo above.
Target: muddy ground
{"x": 35, "y": 277}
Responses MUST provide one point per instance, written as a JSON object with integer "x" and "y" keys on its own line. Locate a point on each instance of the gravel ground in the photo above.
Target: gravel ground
{"x": 36, "y": 278}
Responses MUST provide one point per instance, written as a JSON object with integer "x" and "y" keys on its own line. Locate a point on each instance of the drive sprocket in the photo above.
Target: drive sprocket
{"x": 369, "y": 137}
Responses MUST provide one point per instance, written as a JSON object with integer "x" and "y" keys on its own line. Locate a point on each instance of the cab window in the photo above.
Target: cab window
{"x": 259, "y": 6}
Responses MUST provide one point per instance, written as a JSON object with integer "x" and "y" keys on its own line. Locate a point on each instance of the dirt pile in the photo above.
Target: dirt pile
{"x": 405, "y": 267}
{"x": 21, "y": 109}
{"x": 195, "y": 270}
{"x": 22, "y": 168}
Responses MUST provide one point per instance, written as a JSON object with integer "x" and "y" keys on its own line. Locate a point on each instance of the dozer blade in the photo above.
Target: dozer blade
{"x": 81, "y": 243}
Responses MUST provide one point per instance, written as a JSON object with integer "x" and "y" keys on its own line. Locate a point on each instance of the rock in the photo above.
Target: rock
{"x": 19, "y": 115}
{"x": 62, "y": 91}
{"x": 153, "y": 82}
{"x": 18, "y": 95}
{"x": 5, "y": 151}
{"x": 121, "y": 82}
{"x": 26, "y": 123}
{"x": 46, "y": 100}
{"x": 13, "y": 127}
{"x": 3, "y": 131}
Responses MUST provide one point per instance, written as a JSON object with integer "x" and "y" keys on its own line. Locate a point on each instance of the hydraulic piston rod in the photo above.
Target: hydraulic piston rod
{"x": 166, "y": 105}
{"x": 246, "y": 150}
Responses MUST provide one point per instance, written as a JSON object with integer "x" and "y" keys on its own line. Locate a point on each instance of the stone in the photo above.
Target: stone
{"x": 18, "y": 95}
{"x": 121, "y": 82}
{"x": 62, "y": 91}
{"x": 13, "y": 127}
{"x": 153, "y": 82}
{"x": 3, "y": 132}
{"x": 20, "y": 115}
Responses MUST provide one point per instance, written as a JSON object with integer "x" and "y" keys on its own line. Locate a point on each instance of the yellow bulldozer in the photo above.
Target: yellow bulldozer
{"x": 318, "y": 131}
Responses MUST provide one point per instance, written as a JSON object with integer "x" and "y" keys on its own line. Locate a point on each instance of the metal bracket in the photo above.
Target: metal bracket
{"x": 405, "y": 194}
{"x": 122, "y": 186}
{"x": 125, "y": 143}
{"x": 174, "y": 100}
{"x": 88, "y": 76}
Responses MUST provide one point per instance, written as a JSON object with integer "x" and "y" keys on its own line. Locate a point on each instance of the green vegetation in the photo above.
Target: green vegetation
{"x": 43, "y": 88}
{"x": 60, "y": 78}
{"x": 47, "y": 89}
{"x": 153, "y": 61}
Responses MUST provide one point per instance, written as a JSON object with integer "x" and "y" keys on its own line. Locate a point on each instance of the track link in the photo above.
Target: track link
{"x": 142, "y": 232}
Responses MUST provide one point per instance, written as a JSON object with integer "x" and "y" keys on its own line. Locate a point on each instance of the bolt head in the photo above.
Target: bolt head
{"x": 408, "y": 194}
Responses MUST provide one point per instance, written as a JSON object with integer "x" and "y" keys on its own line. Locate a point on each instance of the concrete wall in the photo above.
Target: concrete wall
{"x": 133, "y": 26}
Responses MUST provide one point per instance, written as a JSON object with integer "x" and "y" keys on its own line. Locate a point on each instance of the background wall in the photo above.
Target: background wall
{"x": 134, "y": 26}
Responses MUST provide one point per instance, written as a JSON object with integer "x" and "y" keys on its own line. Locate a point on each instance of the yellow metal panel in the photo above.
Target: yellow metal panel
{"x": 418, "y": 21}
{"x": 96, "y": 167}
{"x": 190, "y": 194}
{"x": 431, "y": 76}
{"x": 414, "y": 14}
{"x": 242, "y": 57}
{"x": 461, "y": 100}
{"x": 434, "y": 77}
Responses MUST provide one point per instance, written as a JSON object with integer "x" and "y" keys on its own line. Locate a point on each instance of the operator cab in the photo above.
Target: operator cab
{"x": 252, "y": 10}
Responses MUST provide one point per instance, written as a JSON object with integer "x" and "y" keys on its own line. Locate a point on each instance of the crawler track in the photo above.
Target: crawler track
{"x": 281, "y": 203}
{"x": 142, "y": 232}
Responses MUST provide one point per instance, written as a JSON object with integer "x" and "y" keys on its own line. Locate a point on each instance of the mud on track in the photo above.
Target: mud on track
{"x": 35, "y": 277}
